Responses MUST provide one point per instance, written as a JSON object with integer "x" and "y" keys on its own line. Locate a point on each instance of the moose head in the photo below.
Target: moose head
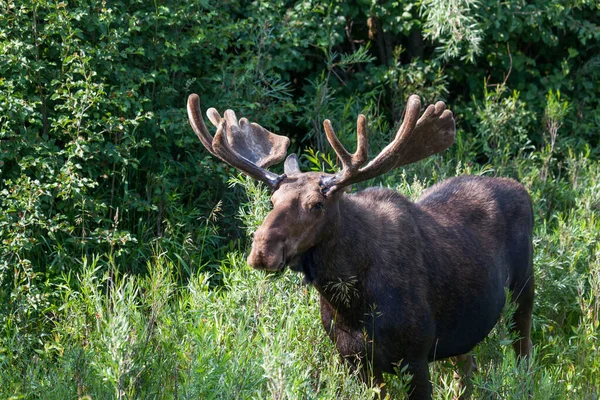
{"x": 305, "y": 204}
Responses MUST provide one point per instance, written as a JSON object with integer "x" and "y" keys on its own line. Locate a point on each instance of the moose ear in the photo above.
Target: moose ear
{"x": 291, "y": 166}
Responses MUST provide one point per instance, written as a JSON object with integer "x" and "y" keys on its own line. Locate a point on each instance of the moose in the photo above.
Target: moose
{"x": 401, "y": 283}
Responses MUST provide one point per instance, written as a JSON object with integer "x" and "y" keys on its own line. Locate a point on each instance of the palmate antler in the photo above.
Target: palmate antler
{"x": 416, "y": 139}
{"x": 245, "y": 146}
{"x": 250, "y": 148}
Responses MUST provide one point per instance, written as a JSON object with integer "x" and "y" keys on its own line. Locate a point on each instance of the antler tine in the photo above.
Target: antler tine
{"x": 360, "y": 157}
{"x": 350, "y": 162}
{"x": 338, "y": 147}
{"x": 221, "y": 147}
{"x": 214, "y": 116}
{"x": 197, "y": 123}
{"x": 416, "y": 139}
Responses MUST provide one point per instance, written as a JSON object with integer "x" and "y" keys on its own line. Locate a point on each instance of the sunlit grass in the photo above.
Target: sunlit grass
{"x": 257, "y": 335}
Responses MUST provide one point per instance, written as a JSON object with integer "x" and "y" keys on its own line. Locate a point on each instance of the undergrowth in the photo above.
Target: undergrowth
{"x": 122, "y": 250}
{"x": 258, "y": 335}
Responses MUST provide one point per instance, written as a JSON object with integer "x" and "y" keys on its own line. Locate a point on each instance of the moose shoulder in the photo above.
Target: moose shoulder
{"x": 401, "y": 283}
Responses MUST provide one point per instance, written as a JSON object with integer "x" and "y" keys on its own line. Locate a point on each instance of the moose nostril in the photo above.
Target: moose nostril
{"x": 264, "y": 258}
{"x": 254, "y": 258}
{"x": 258, "y": 259}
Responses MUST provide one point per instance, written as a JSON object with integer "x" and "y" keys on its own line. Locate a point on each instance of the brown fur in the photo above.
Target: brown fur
{"x": 406, "y": 283}
{"x": 401, "y": 283}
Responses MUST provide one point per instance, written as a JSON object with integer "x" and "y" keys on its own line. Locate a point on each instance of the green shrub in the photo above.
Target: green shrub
{"x": 118, "y": 231}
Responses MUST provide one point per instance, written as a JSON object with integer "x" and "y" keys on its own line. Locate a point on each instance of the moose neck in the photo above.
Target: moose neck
{"x": 350, "y": 259}
{"x": 337, "y": 266}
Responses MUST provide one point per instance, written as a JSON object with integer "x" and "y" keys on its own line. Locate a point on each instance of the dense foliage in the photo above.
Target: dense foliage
{"x": 120, "y": 269}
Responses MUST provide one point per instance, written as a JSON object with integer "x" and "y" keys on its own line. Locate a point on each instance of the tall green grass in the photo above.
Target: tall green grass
{"x": 257, "y": 335}
{"x": 120, "y": 272}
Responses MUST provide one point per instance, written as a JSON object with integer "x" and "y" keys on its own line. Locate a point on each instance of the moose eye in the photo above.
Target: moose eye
{"x": 317, "y": 206}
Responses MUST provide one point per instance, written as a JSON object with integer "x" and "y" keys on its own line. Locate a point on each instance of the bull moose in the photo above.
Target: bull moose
{"x": 401, "y": 283}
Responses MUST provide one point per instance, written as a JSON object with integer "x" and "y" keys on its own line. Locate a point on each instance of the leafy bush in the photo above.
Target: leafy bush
{"x": 117, "y": 230}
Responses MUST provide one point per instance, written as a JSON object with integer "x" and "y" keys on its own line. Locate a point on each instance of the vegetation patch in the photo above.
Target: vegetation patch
{"x": 122, "y": 248}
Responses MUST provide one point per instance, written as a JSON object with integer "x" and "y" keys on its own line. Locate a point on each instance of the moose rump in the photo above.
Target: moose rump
{"x": 481, "y": 228}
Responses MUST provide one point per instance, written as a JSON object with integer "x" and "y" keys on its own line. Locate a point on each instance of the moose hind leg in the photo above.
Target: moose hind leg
{"x": 372, "y": 377}
{"x": 378, "y": 382}
{"x": 464, "y": 366}
{"x": 420, "y": 385}
{"x": 522, "y": 318}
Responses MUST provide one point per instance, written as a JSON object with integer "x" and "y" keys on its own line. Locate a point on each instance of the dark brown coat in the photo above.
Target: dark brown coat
{"x": 425, "y": 280}
{"x": 401, "y": 283}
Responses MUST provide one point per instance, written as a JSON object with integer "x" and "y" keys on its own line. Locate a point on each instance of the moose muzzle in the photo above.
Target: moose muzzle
{"x": 268, "y": 251}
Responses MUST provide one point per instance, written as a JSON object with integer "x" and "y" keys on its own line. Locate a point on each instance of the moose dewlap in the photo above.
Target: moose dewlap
{"x": 434, "y": 270}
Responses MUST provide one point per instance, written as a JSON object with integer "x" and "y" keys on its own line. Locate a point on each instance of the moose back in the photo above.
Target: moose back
{"x": 401, "y": 283}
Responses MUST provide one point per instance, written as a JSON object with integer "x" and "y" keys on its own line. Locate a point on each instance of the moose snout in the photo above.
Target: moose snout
{"x": 267, "y": 252}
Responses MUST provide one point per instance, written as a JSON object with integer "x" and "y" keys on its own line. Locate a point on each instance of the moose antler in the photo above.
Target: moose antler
{"x": 415, "y": 140}
{"x": 245, "y": 146}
